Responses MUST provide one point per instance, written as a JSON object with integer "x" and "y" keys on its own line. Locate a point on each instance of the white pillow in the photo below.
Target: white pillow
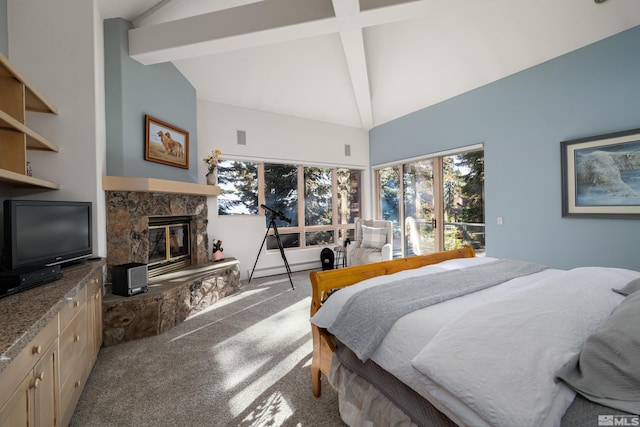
{"x": 373, "y": 237}
{"x": 631, "y": 287}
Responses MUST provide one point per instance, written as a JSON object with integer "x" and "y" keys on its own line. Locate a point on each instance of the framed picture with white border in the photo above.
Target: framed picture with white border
{"x": 601, "y": 176}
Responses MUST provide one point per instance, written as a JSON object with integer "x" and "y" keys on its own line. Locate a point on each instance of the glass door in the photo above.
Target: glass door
{"x": 419, "y": 208}
{"x": 463, "y": 201}
{"x": 389, "y": 189}
{"x": 435, "y": 203}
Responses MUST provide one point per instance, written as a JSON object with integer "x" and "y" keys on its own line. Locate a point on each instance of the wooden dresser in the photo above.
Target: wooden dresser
{"x": 49, "y": 341}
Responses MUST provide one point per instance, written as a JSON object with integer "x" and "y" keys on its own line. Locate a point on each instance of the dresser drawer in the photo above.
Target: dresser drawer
{"x": 12, "y": 375}
{"x": 70, "y": 393}
{"x": 72, "y": 307}
{"x": 73, "y": 343}
{"x": 95, "y": 282}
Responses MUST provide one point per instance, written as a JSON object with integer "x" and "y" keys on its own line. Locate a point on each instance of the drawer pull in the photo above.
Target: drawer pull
{"x": 77, "y": 384}
{"x": 76, "y": 303}
{"x": 76, "y": 338}
{"x": 36, "y": 381}
{"x": 36, "y": 349}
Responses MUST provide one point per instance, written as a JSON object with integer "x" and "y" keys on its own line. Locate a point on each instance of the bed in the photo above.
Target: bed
{"x": 452, "y": 339}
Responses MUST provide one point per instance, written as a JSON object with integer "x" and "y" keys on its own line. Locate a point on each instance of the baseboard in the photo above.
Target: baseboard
{"x": 280, "y": 269}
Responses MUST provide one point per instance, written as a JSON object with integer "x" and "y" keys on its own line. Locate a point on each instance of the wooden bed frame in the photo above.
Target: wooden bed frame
{"x": 323, "y": 282}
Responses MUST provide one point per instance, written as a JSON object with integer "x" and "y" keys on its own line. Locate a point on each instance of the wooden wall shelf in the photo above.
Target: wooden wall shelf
{"x": 16, "y": 97}
{"x": 34, "y": 140}
{"x": 18, "y": 180}
{"x": 34, "y": 101}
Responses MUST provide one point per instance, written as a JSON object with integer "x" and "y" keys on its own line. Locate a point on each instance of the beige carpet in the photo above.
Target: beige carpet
{"x": 244, "y": 362}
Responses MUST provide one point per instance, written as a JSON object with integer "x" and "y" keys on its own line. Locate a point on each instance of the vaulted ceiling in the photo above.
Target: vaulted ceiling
{"x": 358, "y": 63}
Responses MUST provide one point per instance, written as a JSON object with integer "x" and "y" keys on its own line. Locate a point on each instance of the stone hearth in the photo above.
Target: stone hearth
{"x": 170, "y": 300}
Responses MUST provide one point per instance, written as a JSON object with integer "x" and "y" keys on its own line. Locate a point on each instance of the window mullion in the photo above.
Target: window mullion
{"x": 401, "y": 208}
{"x": 301, "y": 206}
{"x": 334, "y": 198}
{"x": 261, "y": 187}
{"x": 377, "y": 206}
{"x": 438, "y": 205}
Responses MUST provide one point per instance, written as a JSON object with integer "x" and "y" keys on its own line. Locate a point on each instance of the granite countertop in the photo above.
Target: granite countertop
{"x": 24, "y": 314}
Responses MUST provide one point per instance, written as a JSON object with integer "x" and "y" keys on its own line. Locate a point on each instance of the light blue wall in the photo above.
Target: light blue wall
{"x": 4, "y": 36}
{"x": 521, "y": 120}
{"x": 133, "y": 90}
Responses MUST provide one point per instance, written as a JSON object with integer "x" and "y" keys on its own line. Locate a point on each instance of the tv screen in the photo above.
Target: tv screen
{"x": 39, "y": 233}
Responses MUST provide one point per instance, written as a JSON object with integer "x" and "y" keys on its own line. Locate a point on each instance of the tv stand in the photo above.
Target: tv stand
{"x": 55, "y": 329}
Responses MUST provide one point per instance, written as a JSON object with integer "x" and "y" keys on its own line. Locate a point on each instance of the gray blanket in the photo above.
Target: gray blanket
{"x": 368, "y": 315}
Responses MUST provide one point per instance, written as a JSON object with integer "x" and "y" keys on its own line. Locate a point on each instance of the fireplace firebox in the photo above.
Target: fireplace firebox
{"x": 169, "y": 244}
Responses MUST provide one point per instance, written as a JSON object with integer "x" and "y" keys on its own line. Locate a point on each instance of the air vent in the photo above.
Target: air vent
{"x": 242, "y": 137}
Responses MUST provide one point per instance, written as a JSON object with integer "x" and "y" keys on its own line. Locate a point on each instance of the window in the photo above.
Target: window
{"x": 388, "y": 189}
{"x": 325, "y": 215}
{"x": 418, "y": 191}
{"x": 435, "y": 203}
{"x": 281, "y": 190}
{"x": 348, "y": 184}
{"x": 317, "y": 196}
{"x": 281, "y": 194}
{"x": 318, "y": 206}
{"x": 238, "y": 182}
{"x": 463, "y": 200}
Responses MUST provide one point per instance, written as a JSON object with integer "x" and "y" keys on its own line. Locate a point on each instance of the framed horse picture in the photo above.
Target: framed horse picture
{"x": 165, "y": 143}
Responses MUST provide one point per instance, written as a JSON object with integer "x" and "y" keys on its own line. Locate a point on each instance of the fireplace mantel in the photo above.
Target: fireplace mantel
{"x": 155, "y": 185}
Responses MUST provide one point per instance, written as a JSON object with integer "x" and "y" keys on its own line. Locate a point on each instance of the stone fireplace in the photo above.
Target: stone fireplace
{"x": 162, "y": 224}
{"x": 129, "y": 214}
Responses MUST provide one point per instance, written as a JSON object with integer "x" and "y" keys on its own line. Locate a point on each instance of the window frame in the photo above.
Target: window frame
{"x": 438, "y": 213}
{"x": 302, "y": 229}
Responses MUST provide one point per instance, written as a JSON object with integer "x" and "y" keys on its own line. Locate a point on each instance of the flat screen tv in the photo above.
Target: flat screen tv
{"x": 40, "y": 233}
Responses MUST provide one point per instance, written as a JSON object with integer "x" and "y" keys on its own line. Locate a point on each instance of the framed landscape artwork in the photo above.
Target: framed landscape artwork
{"x": 601, "y": 176}
{"x": 165, "y": 143}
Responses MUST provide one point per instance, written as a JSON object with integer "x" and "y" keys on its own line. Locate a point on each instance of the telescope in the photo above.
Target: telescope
{"x": 272, "y": 224}
{"x": 276, "y": 213}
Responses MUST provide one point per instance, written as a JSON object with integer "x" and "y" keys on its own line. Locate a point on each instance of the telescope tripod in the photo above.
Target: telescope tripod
{"x": 272, "y": 224}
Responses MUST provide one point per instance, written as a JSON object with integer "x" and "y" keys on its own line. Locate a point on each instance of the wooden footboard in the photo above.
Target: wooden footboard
{"x": 323, "y": 282}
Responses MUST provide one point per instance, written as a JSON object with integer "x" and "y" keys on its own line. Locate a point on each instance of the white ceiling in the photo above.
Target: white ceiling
{"x": 358, "y": 63}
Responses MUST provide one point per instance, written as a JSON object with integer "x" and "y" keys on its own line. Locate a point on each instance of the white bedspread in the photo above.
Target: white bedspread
{"x": 501, "y": 358}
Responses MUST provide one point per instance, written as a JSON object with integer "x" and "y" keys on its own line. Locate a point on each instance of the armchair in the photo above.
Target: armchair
{"x": 373, "y": 242}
